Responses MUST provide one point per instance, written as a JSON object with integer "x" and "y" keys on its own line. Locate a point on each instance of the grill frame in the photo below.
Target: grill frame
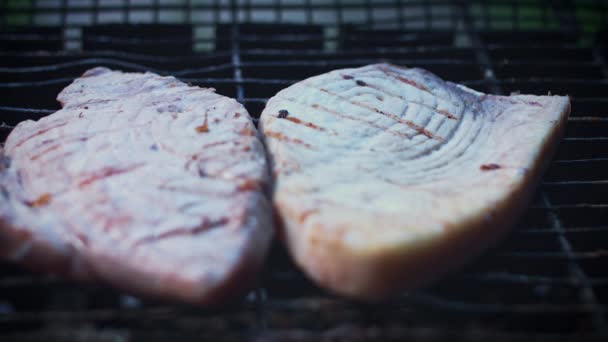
{"x": 285, "y": 304}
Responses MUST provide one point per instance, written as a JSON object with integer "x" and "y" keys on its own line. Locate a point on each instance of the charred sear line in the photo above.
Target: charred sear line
{"x": 40, "y": 132}
{"x": 283, "y": 138}
{"x": 106, "y": 173}
{"x": 447, "y": 114}
{"x": 305, "y": 123}
{"x": 406, "y": 80}
{"x": 396, "y": 118}
{"x": 351, "y": 117}
{"x": 52, "y": 148}
{"x": 443, "y": 112}
{"x": 203, "y": 227}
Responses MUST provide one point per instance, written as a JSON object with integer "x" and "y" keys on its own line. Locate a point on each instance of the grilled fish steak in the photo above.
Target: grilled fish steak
{"x": 387, "y": 177}
{"x": 140, "y": 181}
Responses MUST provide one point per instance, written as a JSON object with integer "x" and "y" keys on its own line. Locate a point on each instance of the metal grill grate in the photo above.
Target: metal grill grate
{"x": 546, "y": 282}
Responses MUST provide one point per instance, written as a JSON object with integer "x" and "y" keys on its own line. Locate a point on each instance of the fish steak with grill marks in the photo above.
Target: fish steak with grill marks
{"x": 142, "y": 182}
{"x": 387, "y": 177}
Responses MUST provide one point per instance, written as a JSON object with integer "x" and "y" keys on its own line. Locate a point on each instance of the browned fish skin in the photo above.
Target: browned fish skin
{"x": 387, "y": 177}
{"x": 140, "y": 181}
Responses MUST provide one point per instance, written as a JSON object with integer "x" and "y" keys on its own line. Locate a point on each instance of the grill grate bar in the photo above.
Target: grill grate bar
{"x": 481, "y": 51}
{"x": 493, "y": 84}
{"x": 48, "y": 6}
{"x": 529, "y": 279}
{"x": 345, "y": 332}
{"x": 574, "y": 182}
{"x": 467, "y": 306}
{"x": 413, "y": 302}
{"x": 555, "y": 255}
{"x": 319, "y": 63}
{"x": 587, "y": 293}
{"x": 563, "y": 230}
{"x": 572, "y": 161}
{"x": 223, "y": 53}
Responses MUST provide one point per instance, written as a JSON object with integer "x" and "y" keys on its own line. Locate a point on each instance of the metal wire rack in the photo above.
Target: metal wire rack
{"x": 547, "y": 282}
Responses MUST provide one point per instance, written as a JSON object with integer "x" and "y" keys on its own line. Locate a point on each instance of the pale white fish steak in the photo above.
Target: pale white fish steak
{"x": 140, "y": 181}
{"x": 387, "y": 177}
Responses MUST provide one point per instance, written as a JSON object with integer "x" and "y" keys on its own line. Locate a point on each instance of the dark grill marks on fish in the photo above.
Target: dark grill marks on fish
{"x": 206, "y": 225}
{"x": 40, "y": 132}
{"x": 283, "y": 138}
{"x": 86, "y": 191}
{"x": 394, "y": 117}
{"x": 351, "y": 117}
{"x": 419, "y": 191}
{"x": 307, "y": 124}
{"x": 107, "y": 172}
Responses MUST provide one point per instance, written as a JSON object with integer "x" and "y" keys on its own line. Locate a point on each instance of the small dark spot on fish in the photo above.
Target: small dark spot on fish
{"x": 283, "y": 114}
{"x": 202, "y": 173}
{"x": 86, "y": 107}
{"x": 81, "y": 115}
{"x": 237, "y": 115}
{"x": 347, "y": 77}
{"x": 361, "y": 83}
{"x": 380, "y": 98}
{"x": 216, "y": 120}
{"x": 489, "y": 167}
{"x": 154, "y": 147}
{"x": 46, "y": 141}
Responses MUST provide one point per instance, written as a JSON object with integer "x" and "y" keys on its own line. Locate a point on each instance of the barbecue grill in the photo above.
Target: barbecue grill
{"x": 547, "y": 282}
